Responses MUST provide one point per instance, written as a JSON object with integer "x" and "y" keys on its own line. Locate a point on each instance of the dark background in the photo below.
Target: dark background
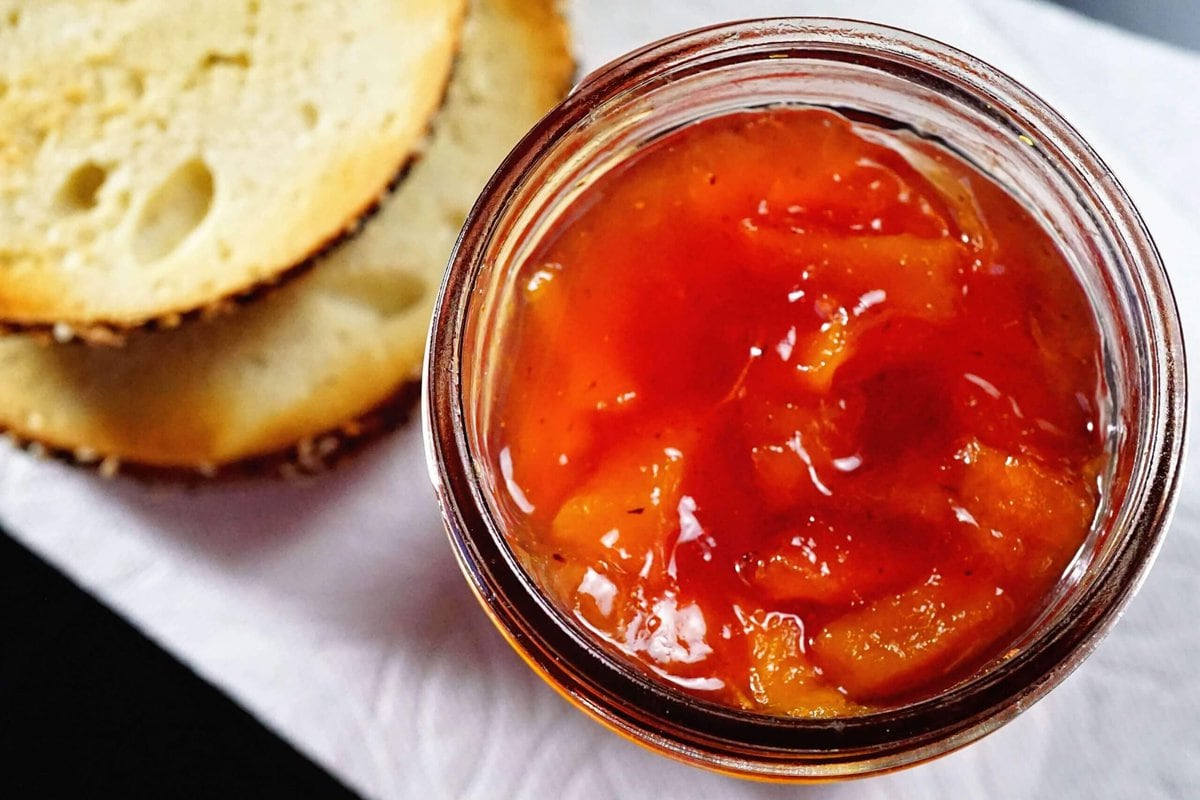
{"x": 91, "y": 708}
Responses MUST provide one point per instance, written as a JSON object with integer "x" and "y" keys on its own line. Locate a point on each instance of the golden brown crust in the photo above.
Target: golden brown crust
{"x": 306, "y": 459}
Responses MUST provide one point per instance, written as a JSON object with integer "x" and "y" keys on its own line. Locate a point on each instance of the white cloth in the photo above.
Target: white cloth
{"x": 335, "y": 612}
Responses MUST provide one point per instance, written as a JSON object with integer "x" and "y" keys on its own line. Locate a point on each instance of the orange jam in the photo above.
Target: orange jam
{"x": 798, "y": 414}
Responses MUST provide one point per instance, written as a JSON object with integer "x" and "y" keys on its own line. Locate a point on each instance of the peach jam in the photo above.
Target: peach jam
{"x": 798, "y": 414}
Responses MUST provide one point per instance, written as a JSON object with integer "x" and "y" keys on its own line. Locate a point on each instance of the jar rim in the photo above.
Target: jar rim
{"x": 747, "y": 742}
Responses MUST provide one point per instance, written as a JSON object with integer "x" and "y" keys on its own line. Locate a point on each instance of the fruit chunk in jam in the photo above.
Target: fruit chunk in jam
{"x": 799, "y": 414}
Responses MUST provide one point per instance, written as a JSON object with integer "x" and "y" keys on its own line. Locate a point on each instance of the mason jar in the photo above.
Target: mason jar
{"x": 864, "y": 71}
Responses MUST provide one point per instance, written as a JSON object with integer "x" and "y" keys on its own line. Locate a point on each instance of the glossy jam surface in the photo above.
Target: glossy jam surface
{"x": 797, "y": 414}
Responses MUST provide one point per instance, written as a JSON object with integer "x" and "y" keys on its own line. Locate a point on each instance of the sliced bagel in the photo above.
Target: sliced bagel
{"x": 157, "y": 156}
{"x": 285, "y": 374}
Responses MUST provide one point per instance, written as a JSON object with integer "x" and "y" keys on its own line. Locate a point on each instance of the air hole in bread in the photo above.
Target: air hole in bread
{"x": 78, "y": 192}
{"x": 308, "y": 113}
{"x": 238, "y": 60}
{"x": 136, "y": 82}
{"x": 389, "y": 292}
{"x": 13, "y": 18}
{"x": 174, "y": 210}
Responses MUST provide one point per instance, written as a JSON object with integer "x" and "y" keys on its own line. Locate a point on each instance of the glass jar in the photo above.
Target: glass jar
{"x": 893, "y": 78}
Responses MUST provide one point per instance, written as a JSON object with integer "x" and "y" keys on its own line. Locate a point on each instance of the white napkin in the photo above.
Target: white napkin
{"x": 335, "y": 613}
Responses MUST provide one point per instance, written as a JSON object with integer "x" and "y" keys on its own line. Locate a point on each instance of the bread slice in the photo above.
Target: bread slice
{"x": 157, "y": 156}
{"x": 287, "y": 373}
